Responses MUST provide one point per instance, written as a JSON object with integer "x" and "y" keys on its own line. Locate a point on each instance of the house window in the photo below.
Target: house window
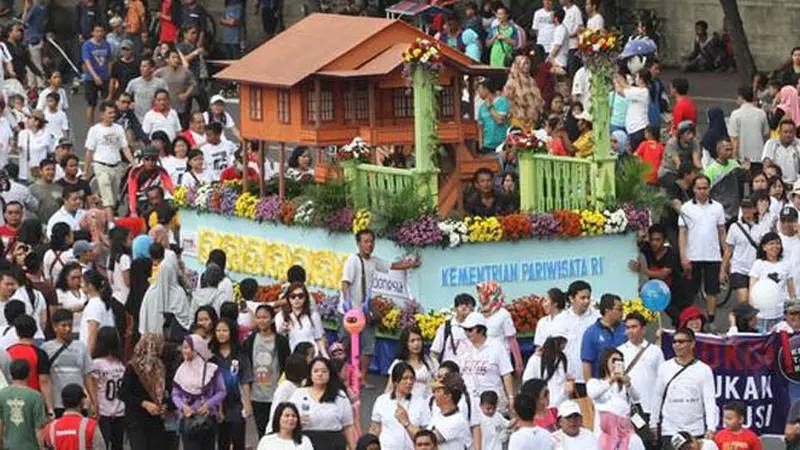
{"x": 403, "y": 103}
{"x": 284, "y": 106}
{"x": 446, "y": 106}
{"x": 326, "y": 106}
{"x": 256, "y": 109}
{"x": 356, "y": 105}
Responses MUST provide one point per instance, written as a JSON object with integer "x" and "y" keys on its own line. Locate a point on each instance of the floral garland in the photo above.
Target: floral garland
{"x": 357, "y": 150}
{"x": 427, "y": 230}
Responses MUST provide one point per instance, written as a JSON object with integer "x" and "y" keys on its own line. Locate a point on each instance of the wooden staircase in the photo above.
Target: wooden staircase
{"x": 451, "y": 187}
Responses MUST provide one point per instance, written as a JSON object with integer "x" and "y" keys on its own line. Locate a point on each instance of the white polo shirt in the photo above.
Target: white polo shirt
{"x": 701, "y": 222}
{"x": 787, "y": 158}
{"x": 744, "y": 253}
{"x": 645, "y": 370}
{"x": 157, "y": 121}
{"x": 574, "y": 326}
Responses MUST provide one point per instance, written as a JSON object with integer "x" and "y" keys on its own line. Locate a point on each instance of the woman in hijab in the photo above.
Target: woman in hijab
{"x": 140, "y": 271}
{"x": 143, "y": 391}
{"x": 141, "y": 247}
{"x": 523, "y": 94}
{"x": 716, "y": 131}
{"x": 198, "y": 389}
{"x": 165, "y": 295}
{"x": 788, "y": 106}
{"x": 619, "y": 142}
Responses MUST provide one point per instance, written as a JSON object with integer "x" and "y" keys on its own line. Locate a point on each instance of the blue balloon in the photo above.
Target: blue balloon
{"x": 655, "y": 295}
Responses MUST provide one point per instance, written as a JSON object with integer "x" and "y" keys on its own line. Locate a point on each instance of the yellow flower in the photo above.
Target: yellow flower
{"x": 245, "y": 206}
{"x": 417, "y": 52}
{"x": 180, "y": 196}
{"x": 361, "y": 220}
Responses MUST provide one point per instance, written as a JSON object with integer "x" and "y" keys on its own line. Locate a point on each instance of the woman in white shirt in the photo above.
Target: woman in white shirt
{"x": 412, "y": 353}
{"x": 771, "y": 264}
{"x": 299, "y": 322}
{"x": 34, "y": 143}
{"x": 613, "y": 394}
{"x": 97, "y": 313}
{"x": 499, "y": 324}
{"x": 176, "y": 161}
{"x": 551, "y": 366}
{"x": 638, "y": 97}
{"x": 553, "y": 303}
{"x": 119, "y": 262}
{"x": 69, "y": 293}
{"x": 195, "y": 174}
{"x": 402, "y": 402}
{"x": 294, "y": 375}
{"x": 325, "y": 411}
{"x": 35, "y": 303}
{"x": 287, "y": 431}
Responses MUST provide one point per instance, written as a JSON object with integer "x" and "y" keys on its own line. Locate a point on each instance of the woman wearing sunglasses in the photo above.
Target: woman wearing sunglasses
{"x": 299, "y": 322}
{"x": 149, "y": 174}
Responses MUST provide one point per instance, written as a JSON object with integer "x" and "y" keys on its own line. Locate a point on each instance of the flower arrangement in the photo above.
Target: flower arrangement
{"x": 328, "y": 307}
{"x": 484, "y": 229}
{"x": 616, "y": 222}
{"x": 598, "y": 47}
{"x": 424, "y": 52}
{"x": 304, "y": 215}
{"x": 526, "y": 312}
{"x": 268, "y": 209}
{"x": 341, "y": 220}
{"x": 420, "y": 233}
{"x": 429, "y": 323}
{"x": 545, "y": 225}
{"x": 638, "y": 219}
{"x": 525, "y": 143}
{"x": 245, "y": 206}
{"x": 268, "y": 294}
{"x": 179, "y": 196}
{"x": 227, "y": 200}
{"x": 636, "y": 305}
{"x": 203, "y": 199}
{"x": 287, "y": 212}
{"x": 391, "y": 319}
{"x": 516, "y": 227}
{"x": 570, "y": 223}
{"x": 408, "y": 313}
{"x": 361, "y": 220}
{"x": 592, "y": 222}
{"x": 455, "y": 232}
{"x": 357, "y": 150}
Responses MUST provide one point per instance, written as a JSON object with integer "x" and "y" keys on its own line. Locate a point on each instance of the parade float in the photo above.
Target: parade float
{"x": 348, "y": 86}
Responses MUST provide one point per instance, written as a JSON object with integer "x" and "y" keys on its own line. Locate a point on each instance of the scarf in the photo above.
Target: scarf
{"x": 165, "y": 294}
{"x": 189, "y": 376}
{"x": 523, "y": 93}
{"x": 622, "y": 142}
{"x": 790, "y": 104}
{"x": 716, "y": 130}
{"x": 141, "y": 247}
{"x": 494, "y": 292}
{"x": 147, "y": 364}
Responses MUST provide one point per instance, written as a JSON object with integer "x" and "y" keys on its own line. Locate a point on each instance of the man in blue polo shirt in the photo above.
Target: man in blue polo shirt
{"x": 607, "y": 332}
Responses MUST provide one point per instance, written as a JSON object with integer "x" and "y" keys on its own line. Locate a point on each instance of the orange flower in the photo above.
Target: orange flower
{"x": 287, "y": 212}
{"x": 570, "y": 222}
{"x": 515, "y": 226}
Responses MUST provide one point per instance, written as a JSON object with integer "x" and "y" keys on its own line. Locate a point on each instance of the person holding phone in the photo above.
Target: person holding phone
{"x": 613, "y": 393}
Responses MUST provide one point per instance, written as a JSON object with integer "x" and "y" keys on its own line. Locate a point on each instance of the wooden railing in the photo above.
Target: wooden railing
{"x": 549, "y": 183}
{"x": 371, "y": 186}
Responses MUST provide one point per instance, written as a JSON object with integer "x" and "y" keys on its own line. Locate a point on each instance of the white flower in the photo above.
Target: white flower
{"x": 616, "y": 222}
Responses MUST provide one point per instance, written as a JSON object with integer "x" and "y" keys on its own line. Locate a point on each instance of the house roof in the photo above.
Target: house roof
{"x": 315, "y": 42}
{"x": 303, "y": 49}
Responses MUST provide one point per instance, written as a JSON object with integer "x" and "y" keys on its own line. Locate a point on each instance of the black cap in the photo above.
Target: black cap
{"x": 745, "y": 311}
{"x": 788, "y": 213}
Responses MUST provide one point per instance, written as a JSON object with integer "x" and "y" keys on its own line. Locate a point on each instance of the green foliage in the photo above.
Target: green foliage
{"x": 398, "y": 208}
{"x": 293, "y": 188}
{"x": 328, "y": 197}
{"x": 631, "y": 187}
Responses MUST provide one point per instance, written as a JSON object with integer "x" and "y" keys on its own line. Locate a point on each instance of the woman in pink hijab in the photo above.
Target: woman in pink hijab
{"x": 789, "y": 103}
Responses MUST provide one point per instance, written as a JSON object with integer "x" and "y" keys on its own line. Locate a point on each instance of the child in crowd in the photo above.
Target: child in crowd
{"x": 734, "y": 435}
{"x": 495, "y": 428}
{"x": 651, "y": 151}
{"x": 54, "y": 85}
{"x": 57, "y": 120}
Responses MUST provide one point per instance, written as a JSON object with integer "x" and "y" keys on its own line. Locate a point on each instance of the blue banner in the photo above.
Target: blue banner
{"x": 752, "y": 369}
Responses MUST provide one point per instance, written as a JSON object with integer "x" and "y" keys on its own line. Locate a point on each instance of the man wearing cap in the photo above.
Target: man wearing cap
{"x": 85, "y": 254}
{"x": 34, "y": 143}
{"x": 784, "y": 151}
{"x": 571, "y": 435}
{"x": 743, "y": 244}
{"x": 46, "y": 191}
{"x": 115, "y": 36}
{"x": 125, "y": 69}
{"x": 684, "y": 397}
{"x": 790, "y": 240}
{"x": 685, "y": 441}
{"x": 583, "y": 147}
{"x": 680, "y": 148}
{"x": 218, "y": 114}
{"x": 485, "y": 364}
{"x": 791, "y": 322}
{"x": 73, "y": 431}
{"x": 144, "y": 87}
{"x": 701, "y": 240}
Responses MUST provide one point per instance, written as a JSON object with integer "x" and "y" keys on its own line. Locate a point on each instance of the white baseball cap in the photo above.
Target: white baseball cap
{"x": 568, "y": 408}
{"x": 473, "y": 320}
{"x": 217, "y": 98}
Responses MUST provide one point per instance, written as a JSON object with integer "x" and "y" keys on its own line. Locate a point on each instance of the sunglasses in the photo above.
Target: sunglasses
{"x": 301, "y": 295}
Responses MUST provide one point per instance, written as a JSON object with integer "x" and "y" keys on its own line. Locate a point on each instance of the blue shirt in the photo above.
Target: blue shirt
{"x": 35, "y": 22}
{"x": 599, "y": 338}
{"x": 494, "y": 133}
{"x": 99, "y": 56}
{"x": 232, "y": 34}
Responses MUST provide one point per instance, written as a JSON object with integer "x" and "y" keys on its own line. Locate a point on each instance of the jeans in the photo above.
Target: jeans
{"x": 113, "y": 429}
{"x": 261, "y": 414}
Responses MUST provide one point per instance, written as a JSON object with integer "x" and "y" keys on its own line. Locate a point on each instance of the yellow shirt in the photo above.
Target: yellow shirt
{"x": 584, "y": 145}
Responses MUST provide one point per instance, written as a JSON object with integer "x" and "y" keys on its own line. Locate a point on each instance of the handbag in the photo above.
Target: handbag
{"x": 197, "y": 425}
{"x": 172, "y": 329}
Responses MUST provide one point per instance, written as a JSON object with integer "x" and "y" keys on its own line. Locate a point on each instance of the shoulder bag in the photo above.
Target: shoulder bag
{"x": 197, "y": 425}
{"x": 639, "y": 418}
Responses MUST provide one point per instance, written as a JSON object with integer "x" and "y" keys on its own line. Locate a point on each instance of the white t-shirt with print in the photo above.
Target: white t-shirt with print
{"x": 531, "y": 438}
{"x": 483, "y": 370}
{"x": 393, "y": 436}
{"x": 323, "y": 416}
{"x": 543, "y": 25}
{"x": 107, "y": 143}
{"x": 95, "y": 311}
{"x": 218, "y": 157}
{"x": 454, "y": 430}
{"x": 108, "y": 374}
{"x": 772, "y": 270}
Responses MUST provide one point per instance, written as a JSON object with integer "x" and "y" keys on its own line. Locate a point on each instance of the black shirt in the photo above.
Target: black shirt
{"x": 124, "y": 72}
{"x": 474, "y": 205}
{"x": 675, "y": 192}
{"x": 669, "y": 260}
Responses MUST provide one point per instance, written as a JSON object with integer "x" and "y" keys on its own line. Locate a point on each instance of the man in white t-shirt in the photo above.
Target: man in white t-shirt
{"x": 573, "y": 20}
{"x": 790, "y": 240}
{"x": 596, "y": 20}
{"x": 529, "y": 436}
{"x": 701, "y": 239}
{"x": 217, "y": 152}
{"x": 575, "y": 320}
{"x": 559, "y": 47}
{"x": 543, "y": 25}
{"x": 450, "y": 427}
{"x": 571, "y": 435}
{"x": 581, "y": 88}
{"x": 104, "y": 142}
{"x": 784, "y": 151}
{"x": 642, "y": 359}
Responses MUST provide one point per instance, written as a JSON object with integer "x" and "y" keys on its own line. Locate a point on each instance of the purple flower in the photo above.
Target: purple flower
{"x": 268, "y": 209}
{"x": 638, "y": 219}
{"x": 228, "y": 199}
{"x": 341, "y": 220}
{"x": 407, "y": 312}
{"x": 419, "y": 233}
{"x": 544, "y": 225}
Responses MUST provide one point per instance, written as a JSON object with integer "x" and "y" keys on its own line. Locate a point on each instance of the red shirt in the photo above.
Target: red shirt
{"x": 67, "y": 430}
{"x": 7, "y": 234}
{"x": 37, "y": 359}
{"x": 169, "y": 31}
{"x": 684, "y": 109}
{"x": 231, "y": 174}
{"x": 651, "y": 153}
{"x": 743, "y": 440}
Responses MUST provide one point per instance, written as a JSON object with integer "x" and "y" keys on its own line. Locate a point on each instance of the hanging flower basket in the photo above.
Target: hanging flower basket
{"x": 598, "y": 48}
{"x": 425, "y": 54}
{"x": 357, "y": 151}
{"x": 525, "y": 143}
